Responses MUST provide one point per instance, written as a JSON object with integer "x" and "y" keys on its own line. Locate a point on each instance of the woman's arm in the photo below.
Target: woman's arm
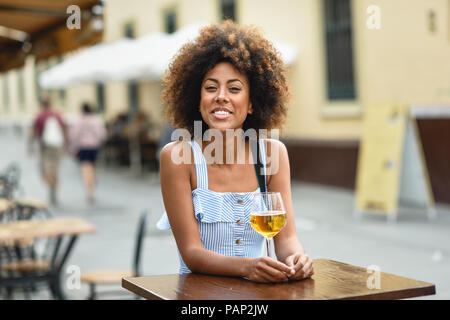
{"x": 176, "y": 192}
{"x": 287, "y": 245}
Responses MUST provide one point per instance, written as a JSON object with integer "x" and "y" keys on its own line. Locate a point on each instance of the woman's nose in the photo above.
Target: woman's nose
{"x": 221, "y": 97}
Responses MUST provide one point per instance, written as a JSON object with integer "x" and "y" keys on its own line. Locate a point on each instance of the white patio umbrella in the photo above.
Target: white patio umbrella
{"x": 95, "y": 64}
{"x": 145, "y": 58}
{"x": 153, "y": 53}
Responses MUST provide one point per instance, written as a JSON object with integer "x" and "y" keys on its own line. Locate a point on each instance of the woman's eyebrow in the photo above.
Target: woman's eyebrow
{"x": 233, "y": 80}
{"x": 217, "y": 81}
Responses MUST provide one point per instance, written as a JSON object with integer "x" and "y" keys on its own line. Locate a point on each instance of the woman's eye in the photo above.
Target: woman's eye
{"x": 210, "y": 88}
{"x": 235, "y": 89}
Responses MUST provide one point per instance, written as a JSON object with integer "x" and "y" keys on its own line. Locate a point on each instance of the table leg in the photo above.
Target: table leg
{"x": 55, "y": 279}
{"x": 55, "y": 251}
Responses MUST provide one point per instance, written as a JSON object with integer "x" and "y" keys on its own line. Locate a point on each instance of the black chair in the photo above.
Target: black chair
{"x": 109, "y": 277}
{"x": 25, "y": 265}
{"x": 9, "y": 181}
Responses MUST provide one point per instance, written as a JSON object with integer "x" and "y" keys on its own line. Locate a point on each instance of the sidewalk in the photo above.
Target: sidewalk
{"x": 413, "y": 247}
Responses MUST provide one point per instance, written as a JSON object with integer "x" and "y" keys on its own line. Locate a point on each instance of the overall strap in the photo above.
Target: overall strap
{"x": 201, "y": 169}
{"x": 260, "y": 165}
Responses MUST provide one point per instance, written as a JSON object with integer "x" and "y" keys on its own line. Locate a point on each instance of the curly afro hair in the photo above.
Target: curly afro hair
{"x": 250, "y": 53}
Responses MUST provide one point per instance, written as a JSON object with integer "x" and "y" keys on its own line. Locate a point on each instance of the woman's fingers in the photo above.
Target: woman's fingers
{"x": 307, "y": 269}
{"x": 296, "y": 261}
{"x": 300, "y": 261}
{"x": 279, "y": 265}
{"x": 303, "y": 267}
{"x": 275, "y": 270}
{"x": 270, "y": 270}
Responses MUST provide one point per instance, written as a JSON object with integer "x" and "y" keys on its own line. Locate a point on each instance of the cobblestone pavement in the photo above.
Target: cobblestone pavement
{"x": 413, "y": 247}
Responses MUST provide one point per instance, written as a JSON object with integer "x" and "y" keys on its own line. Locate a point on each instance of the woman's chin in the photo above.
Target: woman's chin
{"x": 223, "y": 128}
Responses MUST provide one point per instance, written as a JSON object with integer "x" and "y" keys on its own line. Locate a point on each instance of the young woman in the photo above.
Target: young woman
{"x": 231, "y": 79}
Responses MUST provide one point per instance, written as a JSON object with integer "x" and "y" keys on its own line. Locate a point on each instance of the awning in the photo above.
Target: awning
{"x": 39, "y": 28}
{"x": 145, "y": 58}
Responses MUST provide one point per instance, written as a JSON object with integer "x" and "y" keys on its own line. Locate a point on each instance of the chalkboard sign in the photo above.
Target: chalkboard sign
{"x": 391, "y": 166}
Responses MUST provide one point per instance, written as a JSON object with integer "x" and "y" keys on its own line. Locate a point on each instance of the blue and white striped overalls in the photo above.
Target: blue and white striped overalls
{"x": 223, "y": 217}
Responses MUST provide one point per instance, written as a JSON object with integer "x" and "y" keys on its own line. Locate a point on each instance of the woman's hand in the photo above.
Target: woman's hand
{"x": 266, "y": 269}
{"x": 302, "y": 265}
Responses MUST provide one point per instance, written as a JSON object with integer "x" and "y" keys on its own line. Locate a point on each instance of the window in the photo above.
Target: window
{"x": 339, "y": 52}
{"x": 133, "y": 97}
{"x": 129, "y": 31}
{"x": 21, "y": 89}
{"x": 5, "y": 93}
{"x": 36, "y": 81}
{"x": 170, "y": 21}
{"x": 100, "y": 90}
{"x": 61, "y": 92}
{"x": 228, "y": 8}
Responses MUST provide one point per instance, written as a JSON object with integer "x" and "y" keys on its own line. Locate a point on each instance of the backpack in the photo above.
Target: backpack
{"x": 52, "y": 135}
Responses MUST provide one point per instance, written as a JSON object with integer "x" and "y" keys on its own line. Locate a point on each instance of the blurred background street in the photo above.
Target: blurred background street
{"x": 368, "y": 124}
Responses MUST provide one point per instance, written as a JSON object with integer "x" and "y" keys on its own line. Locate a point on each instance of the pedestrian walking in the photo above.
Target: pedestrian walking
{"x": 87, "y": 135}
{"x": 50, "y": 131}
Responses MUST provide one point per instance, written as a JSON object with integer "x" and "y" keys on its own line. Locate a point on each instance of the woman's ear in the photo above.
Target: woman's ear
{"x": 250, "y": 108}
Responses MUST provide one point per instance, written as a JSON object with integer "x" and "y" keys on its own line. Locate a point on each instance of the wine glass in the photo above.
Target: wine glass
{"x": 268, "y": 216}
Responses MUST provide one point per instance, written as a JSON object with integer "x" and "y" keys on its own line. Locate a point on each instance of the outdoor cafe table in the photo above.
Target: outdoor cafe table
{"x": 331, "y": 280}
{"x": 58, "y": 228}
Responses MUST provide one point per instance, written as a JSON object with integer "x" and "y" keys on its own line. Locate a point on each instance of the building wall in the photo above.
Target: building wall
{"x": 18, "y": 108}
{"x": 404, "y": 60}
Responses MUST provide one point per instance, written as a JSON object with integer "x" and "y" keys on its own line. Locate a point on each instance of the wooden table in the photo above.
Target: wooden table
{"x": 332, "y": 280}
{"x": 58, "y": 228}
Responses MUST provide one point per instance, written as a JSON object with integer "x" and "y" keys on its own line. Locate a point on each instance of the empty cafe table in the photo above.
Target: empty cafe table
{"x": 331, "y": 280}
{"x": 64, "y": 231}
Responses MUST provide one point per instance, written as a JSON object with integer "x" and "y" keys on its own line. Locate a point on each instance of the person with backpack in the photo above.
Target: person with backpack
{"x": 50, "y": 130}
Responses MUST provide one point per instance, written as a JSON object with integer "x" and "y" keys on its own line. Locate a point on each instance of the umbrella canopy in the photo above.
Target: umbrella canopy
{"x": 145, "y": 58}
{"x": 95, "y": 64}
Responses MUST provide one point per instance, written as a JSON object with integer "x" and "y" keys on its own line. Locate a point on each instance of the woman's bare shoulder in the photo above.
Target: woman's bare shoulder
{"x": 274, "y": 146}
{"x": 277, "y": 158}
{"x": 176, "y": 154}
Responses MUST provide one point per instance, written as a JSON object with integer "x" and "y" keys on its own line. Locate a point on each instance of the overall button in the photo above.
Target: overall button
{"x": 239, "y": 201}
{"x": 238, "y": 241}
{"x": 238, "y": 221}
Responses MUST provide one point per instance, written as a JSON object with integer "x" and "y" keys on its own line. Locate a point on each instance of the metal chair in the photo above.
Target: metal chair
{"x": 104, "y": 277}
{"x": 25, "y": 265}
{"x": 9, "y": 181}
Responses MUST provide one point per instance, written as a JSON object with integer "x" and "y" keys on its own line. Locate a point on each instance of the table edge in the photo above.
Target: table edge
{"x": 90, "y": 229}
{"x": 396, "y": 295}
{"x": 144, "y": 293}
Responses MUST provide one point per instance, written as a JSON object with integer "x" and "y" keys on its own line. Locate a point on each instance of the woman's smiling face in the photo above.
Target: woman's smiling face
{"x": 225, "y": 97}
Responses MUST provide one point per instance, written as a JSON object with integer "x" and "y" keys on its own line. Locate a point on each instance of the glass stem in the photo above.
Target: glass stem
{"x": 269, "y": 248}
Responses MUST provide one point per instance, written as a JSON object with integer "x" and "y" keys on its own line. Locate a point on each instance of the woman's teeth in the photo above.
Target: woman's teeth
{"x": 221, "y": 112}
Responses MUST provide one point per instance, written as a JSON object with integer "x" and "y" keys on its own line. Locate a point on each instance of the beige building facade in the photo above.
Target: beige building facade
{"x": 400, "y": 52}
